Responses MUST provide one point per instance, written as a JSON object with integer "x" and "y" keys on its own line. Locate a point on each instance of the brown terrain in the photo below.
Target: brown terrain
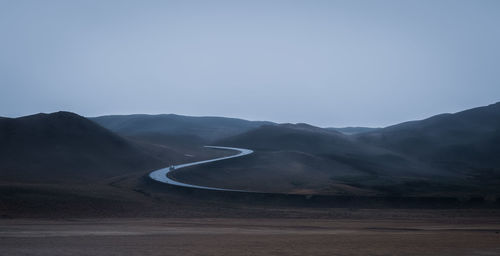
{"x": 367, "y": 235}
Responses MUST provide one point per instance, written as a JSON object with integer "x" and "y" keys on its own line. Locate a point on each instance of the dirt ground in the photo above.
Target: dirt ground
{"x": 226, "y": 236}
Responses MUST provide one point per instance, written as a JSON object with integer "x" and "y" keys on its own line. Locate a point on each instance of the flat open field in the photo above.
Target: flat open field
{"x": 227, "y": 236}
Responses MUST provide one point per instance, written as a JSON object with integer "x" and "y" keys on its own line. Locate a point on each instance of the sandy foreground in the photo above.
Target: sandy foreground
{"x": 247, "y": 237}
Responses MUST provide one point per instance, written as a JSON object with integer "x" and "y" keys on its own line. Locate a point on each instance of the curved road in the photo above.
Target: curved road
{"x": 161, "y": 175}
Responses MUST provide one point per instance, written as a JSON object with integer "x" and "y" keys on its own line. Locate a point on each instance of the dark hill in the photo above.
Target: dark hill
{"x": 299, "y": 137}
{"x": 301, "y": 158}
{"x": 318, "y": 141}
{"x": 62, "y": 164}
{"x": 464, "y": 142}
{"x": 64, "y": 147}
{"x": 448, "y": 154}
{"x": 176, "y": 129}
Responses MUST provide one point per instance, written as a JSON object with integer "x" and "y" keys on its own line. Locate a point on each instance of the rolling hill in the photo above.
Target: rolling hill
{"x": 448, "y": 154}
{"x": 445, "y": 155}
{"x": 65, "y": 147}
{"x": 467, "y": 142}
{"x": 62, "y": 164}
{"x": 300, "y": 158}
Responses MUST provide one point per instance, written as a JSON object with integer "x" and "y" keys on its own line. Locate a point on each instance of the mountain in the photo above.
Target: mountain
{"x": 448, "y": 154}
{"x": 300, "y": 137}
{"x": 300, "y": 158}
{"x": 65, "y": 147}
{"x": 325, "y": 144}
{"x": 176, "y": 129}
{"x": 463, "y": 142}
{"x": 62, "y": 164}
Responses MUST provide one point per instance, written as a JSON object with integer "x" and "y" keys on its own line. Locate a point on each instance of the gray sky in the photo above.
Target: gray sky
{"x": 328, "y": 63}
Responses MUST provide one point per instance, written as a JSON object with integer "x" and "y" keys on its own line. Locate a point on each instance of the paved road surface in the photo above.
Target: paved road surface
{"x": 161, "y": 175}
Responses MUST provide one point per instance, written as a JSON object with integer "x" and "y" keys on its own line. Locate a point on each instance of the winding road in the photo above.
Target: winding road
{"x": 161, "y": 175}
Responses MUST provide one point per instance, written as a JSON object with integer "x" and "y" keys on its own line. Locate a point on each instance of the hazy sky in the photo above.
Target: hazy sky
{"x": 328, "y": 63}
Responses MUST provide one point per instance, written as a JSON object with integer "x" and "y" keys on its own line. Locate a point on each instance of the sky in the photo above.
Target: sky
{"x": 327, "y": 63}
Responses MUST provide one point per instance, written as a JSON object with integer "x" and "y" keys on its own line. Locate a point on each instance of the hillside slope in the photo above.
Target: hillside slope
{"x": 465, "y": 142}
{"x": 62, "y": 164}
{"x": 300, "y": 158}
{"x": 65, "y": 147}
{"x": 448, "y": 154}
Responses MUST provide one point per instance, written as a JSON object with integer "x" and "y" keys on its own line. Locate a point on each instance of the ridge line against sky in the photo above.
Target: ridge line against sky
{"x": 261, "y": 120}
{"x": 326, "y": 63}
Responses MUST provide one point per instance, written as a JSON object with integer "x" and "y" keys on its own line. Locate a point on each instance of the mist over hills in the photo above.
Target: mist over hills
{"x": 352, "y": 130}
{"x": 177, "y": 128}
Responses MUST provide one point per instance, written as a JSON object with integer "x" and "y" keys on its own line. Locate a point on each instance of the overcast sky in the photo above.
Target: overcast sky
{"x": 328, "y": 63}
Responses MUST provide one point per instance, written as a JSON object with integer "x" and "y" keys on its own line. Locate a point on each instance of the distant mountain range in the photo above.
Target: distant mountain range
{"x": 448, "y": 154}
